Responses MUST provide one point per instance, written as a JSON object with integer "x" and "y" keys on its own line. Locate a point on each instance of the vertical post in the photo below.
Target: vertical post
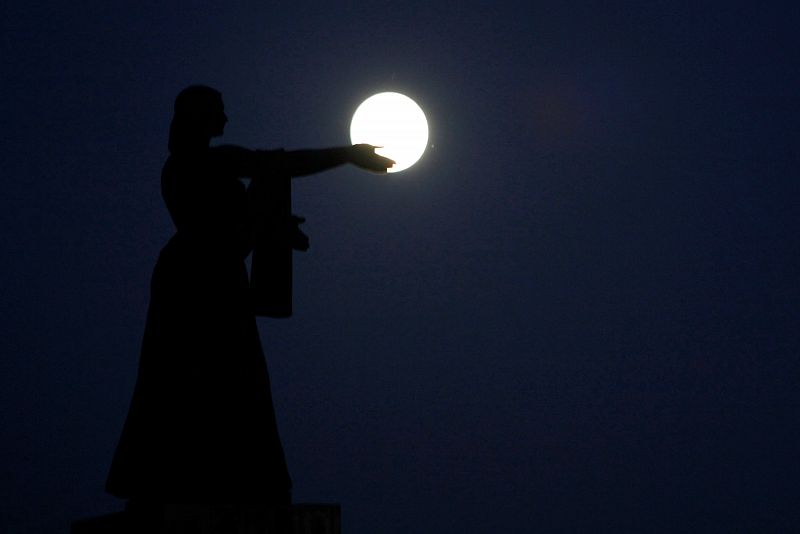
{"x": 271, "y": 267}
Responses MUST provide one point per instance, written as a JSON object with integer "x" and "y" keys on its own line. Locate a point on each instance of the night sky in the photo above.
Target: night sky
{"x": 577, "y": 313}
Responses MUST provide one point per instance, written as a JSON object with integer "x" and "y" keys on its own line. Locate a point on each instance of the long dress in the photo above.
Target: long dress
{"x": 201, "y": 425}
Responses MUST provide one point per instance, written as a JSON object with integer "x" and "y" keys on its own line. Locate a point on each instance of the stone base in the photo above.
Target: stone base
{"x": 217, "y": 519}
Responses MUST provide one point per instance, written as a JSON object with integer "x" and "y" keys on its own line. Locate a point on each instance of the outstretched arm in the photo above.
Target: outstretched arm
{"x": 304, "y": 162}
{"x": 255, "y": 163}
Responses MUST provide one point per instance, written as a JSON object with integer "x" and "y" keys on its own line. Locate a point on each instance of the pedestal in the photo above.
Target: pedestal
{"x": 217, "y": 519}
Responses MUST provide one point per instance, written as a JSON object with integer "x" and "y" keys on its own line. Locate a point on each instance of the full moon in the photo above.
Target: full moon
{"x": 395, "y": 123}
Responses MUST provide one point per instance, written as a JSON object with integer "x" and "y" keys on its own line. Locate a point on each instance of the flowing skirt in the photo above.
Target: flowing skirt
{"x": 201, "y": 425}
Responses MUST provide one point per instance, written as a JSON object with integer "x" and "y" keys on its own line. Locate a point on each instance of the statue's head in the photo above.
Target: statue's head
{"x": 199, "y": 116}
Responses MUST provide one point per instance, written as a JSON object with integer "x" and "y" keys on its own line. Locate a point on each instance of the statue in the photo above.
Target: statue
{"x": 201, "y": 426}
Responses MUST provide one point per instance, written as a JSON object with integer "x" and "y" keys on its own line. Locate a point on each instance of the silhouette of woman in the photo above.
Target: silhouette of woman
{"x": 201, "y": 426}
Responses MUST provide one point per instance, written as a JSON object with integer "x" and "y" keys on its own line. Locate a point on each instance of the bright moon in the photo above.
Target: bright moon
{"x": 394, "y": 122}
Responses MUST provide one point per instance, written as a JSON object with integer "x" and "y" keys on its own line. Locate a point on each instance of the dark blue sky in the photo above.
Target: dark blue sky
{"x": 577, "y": 313}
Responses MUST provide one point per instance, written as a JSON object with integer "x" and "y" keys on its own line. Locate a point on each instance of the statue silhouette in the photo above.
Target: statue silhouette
{"x": 201, "y": 425}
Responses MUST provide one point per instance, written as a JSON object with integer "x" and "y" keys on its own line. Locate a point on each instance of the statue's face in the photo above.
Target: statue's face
{"x": 218, "y": 120}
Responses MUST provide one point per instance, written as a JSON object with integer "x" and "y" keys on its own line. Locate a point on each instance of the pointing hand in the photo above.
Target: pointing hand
{"x": 364, "y": 156}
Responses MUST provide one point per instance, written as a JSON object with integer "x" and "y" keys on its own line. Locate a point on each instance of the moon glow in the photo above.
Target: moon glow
{"x": 394, "y": 122}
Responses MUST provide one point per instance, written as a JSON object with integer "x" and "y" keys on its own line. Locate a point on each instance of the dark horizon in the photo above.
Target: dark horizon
{"x": 577, "y": 312}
